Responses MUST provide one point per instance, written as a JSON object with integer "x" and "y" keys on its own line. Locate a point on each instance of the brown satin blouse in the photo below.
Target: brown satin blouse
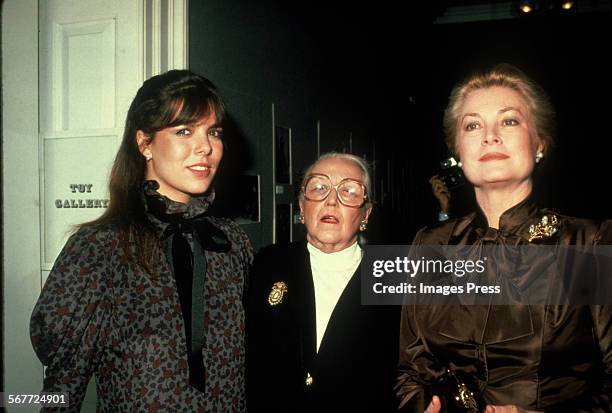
{"x": 547, "y": 358}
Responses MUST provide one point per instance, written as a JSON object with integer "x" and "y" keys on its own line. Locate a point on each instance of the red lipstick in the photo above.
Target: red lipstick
{"x": 493, "y": 156}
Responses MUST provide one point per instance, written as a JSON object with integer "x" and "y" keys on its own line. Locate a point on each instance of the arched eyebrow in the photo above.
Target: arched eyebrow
{"x": 503, "y": 110}
{"x": 508, "y": 109}
{"x": 472, "y": 114}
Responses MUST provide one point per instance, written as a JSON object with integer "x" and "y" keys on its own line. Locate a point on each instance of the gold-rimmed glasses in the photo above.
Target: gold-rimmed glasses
{"x": 350, "y": 192}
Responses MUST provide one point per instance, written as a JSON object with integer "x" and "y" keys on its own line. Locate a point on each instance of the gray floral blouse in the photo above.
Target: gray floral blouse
{"x": 99, "y": 313}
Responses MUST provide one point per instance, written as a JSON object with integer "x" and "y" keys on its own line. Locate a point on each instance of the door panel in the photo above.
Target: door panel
{"x": 89, "y": 71}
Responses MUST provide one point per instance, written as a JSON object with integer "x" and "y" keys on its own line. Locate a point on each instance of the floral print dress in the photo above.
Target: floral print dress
{"x": 100, "y": 313}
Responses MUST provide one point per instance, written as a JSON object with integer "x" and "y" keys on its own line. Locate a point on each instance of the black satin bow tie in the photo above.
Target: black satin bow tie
{"x": 189, "y": 272}
{"x": 185, "y": 241}
{"x": 209, "y": 237}
{"x": 185, "y": 245}
{"x": 174, "y": 215}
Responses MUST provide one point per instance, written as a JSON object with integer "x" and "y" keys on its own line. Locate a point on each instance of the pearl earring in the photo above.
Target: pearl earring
{"x": 459, "y": 164}
{"x": 539, "y": 157}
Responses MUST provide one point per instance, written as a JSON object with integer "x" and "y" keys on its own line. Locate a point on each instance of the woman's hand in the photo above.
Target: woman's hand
{"x": 441, "y": 192}
{"x": 509, "y": 408}
{"x": 434, "y": 406}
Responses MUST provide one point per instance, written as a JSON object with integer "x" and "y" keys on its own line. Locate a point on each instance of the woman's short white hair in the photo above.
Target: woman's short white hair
{"x": 358, "y": 160}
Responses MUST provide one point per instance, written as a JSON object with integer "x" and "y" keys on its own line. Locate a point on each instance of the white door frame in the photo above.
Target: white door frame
{"x": 20, "y": 186}
{"x": 22, "y": 168}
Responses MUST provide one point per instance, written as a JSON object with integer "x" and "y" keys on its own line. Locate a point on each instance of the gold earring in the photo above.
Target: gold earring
{"x": 363, "y": 226}
{"x": 301, "y": 217}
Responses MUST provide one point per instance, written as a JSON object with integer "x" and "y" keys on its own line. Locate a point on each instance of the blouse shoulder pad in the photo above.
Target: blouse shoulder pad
{"x": 440, "y": 233}
{"x": 582, "y": 231}
{"x": 74, "y": 294}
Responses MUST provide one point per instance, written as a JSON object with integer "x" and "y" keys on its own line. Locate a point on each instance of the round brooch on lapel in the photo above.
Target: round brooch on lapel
{"x": 276, "y": 294}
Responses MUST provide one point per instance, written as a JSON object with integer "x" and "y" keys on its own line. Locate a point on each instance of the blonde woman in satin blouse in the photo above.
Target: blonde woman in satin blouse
{"x": 523, "y": 358}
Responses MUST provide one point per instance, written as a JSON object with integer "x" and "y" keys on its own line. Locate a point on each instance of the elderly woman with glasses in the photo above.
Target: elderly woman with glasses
{"x": 311, "y": 345}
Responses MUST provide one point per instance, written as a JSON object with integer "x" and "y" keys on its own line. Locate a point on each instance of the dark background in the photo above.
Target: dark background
{"x": 381, "y": 73}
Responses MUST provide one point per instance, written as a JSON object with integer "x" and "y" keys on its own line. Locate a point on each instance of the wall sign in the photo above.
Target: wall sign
{"x": 81, "y": 202}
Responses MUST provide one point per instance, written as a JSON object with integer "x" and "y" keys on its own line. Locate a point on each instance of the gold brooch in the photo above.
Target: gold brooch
{"x": 278, "y": 291}
{"x": 546, "y": 228}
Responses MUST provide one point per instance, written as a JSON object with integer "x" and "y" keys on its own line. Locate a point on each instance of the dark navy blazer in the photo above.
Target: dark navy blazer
{"x": 355, "y": 368}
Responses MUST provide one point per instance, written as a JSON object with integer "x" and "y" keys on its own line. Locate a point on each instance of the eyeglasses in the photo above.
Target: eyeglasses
{"x": 350, "y": 192}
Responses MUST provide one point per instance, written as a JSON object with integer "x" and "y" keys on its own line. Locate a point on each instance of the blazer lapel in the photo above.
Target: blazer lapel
{"x": 304, "y": 306}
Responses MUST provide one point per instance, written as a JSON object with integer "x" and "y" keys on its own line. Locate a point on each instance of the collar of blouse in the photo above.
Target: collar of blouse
{"x": 513, "y": 222}
{"x": 163, "y": 211}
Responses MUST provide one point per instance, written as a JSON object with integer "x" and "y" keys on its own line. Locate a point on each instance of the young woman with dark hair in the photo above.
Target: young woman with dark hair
{"x": 148, "y": 297}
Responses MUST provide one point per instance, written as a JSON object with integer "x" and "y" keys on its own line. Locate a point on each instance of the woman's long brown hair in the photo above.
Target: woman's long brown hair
{"x": 177, "y": 97}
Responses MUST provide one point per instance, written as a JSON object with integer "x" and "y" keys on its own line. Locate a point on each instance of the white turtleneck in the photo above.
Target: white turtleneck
{"x": 330, "y": 275}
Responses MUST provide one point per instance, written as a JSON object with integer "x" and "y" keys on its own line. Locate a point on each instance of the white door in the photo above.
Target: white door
{"x": 70, "y": 69}
{"x": 89, "y": 72}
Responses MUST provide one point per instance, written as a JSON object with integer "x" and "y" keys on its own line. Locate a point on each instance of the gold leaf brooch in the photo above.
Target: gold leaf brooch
{"x": 276, "y": 294}
{"x": 544, "y": 229}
